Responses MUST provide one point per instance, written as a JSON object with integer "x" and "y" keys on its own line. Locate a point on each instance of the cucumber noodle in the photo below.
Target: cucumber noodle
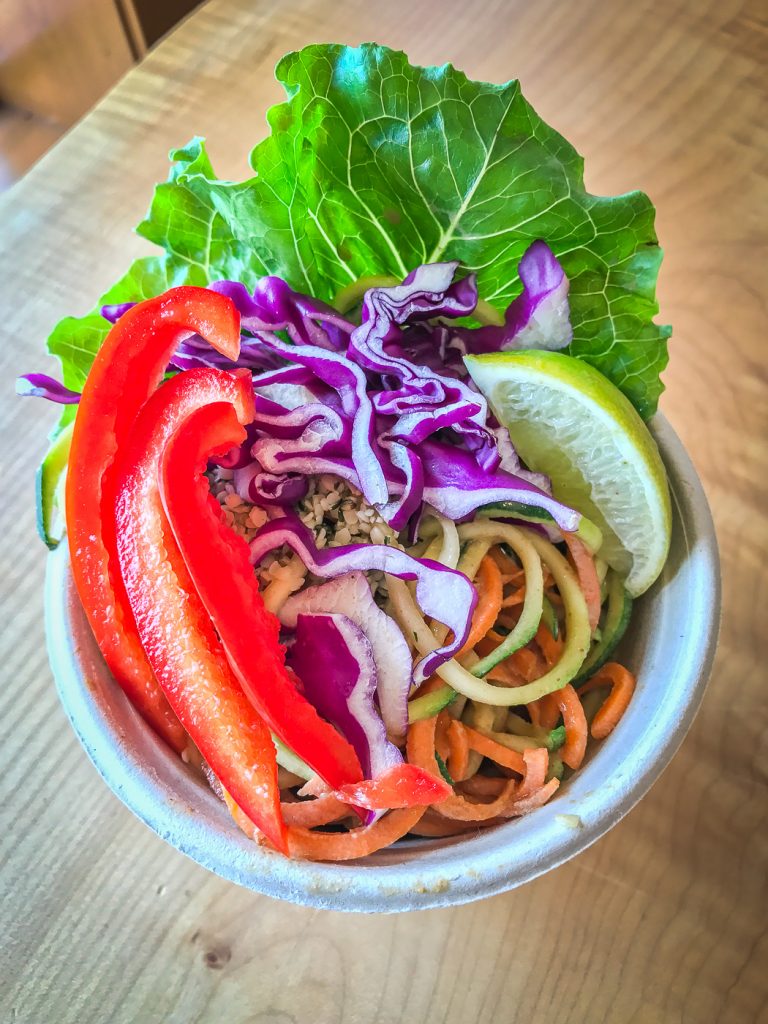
{"x": 533, "y": 550}
{"x": 525, "y": 630}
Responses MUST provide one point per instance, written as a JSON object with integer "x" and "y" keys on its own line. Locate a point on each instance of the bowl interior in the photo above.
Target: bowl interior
{"x": 670, "y": 645}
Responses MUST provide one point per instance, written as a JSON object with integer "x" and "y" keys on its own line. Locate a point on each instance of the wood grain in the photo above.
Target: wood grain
{"x": 662, "y": 921}
{"x": 23, "y": 140}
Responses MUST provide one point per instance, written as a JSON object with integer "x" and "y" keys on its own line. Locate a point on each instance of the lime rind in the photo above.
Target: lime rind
{"x": 570, "y": 422}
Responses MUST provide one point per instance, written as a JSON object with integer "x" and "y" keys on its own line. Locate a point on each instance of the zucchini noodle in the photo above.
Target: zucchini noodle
{"x": 443, "y": 547}
{"x": 574, "y": 651}
{"x": 409, "y": 618}
{"x": 442, "y": 533}
{"x": 530, "y": 617}
{"x": 450, "y": 549}
{"x": 290, "y": 761}
{"x": 615, "y": 621}
{"x": 469, "y": 563}
{"x": 520, "y": 727}
{"x": 484, "y": 718}
{"x": 432, "y": 550}
{"x": 509, "y": 740}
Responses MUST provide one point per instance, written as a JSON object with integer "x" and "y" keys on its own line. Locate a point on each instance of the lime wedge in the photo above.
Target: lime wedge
{"x": 568, "y": 421}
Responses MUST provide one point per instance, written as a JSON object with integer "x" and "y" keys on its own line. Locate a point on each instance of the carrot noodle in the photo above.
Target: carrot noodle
{"x": 527, "y": 663}
{"x": 442, "y": 742}
{"x": 547, "y": 711}
{"x": 434, "y": 826}
{"x": 548, "y": 708}
{"x": 313, "y": 787}
{"x": 483, "y": 718}
{"x": 458, "y": 808}
{"x": 622, "y": 684}
{"x": 516, "y": 578}
{"x": 482, "y": 785}
{"x": 535, "y": 712}
{"x": 420, "y": 740}
{"x": 522, "y": 617}
{"x": 458, "y": 755}
{"x": 506, "y": 675}
{"x": 506, "y": 565}
{"x": 575, "y": 721}
{"x": 303, "y": 813}
{"x": 241, "y": 819}
{"x": 358, "y": 842}
{"x": 479, "y": 731}
{"x": 521, "y": 667}
{"x": 550, "y": 647}
{"x": 495, "y": 751}
{"x": 421, "y": 751}
{"x": 507, "y": 804}
{"x": 511, "y": 572}
{"x": 489, "y": 591}
{"x": 509, "y": 618}
{"x": 321, "y": 811}
{"x": 487, "y": 644}
{"x": 589, "y": 581}
{"x": 430, "y": 825}
{"x": 536, "y": 765}
{"x": 524, "y": 805}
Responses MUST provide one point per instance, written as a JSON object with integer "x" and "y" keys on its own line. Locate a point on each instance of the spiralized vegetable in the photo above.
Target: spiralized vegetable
{"x": 535, "y": 626}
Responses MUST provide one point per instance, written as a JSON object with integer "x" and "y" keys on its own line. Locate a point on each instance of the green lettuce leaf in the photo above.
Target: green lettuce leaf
{"x": 374, "y": 166}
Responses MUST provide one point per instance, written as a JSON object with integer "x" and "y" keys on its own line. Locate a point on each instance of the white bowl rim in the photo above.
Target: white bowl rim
{"x": 165, "y": 795}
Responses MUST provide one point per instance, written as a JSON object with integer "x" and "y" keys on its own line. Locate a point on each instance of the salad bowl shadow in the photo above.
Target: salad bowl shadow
{"x": 670, "y": 645}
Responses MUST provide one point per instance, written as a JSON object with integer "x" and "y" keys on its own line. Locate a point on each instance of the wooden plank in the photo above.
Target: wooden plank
{"x": 663, "y": 920}
{"x": 60, "y": 56}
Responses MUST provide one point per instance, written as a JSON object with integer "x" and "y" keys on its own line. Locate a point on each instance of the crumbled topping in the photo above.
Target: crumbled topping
{"x": 333, "y": 509}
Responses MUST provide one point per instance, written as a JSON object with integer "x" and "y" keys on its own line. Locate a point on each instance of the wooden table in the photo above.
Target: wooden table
{"x": 664, "y": 920}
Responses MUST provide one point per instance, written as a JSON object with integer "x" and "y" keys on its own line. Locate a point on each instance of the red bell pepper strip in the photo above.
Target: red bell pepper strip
{"x": 404, "y": 785}
{"x": 127, "y": 369}
{"x": 218, "y": 562}
{"x": 175, "y": 629}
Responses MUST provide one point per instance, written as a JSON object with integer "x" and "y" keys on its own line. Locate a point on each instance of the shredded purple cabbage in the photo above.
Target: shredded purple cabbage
{"x": 334, "y": 661}
{"x": 350, "y": 595}
{"x": 538, "y": 318}
{"x": 395, "y": 413}
{"x": 40, "y": 385}
{"x": 422, "y": 400}
{"x": 443, "y": 594}
{"x": 387, "y": 405}
{"x": 114, "y": 312}
{"x": 274, "y": 306}
{"x": 455, "y": 486}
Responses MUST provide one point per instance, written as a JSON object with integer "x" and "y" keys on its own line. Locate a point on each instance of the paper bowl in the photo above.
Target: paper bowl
{"x": 670, "y": 646}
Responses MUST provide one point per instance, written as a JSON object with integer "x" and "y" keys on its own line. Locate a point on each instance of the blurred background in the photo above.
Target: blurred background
{"x": 58, "y": 57}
